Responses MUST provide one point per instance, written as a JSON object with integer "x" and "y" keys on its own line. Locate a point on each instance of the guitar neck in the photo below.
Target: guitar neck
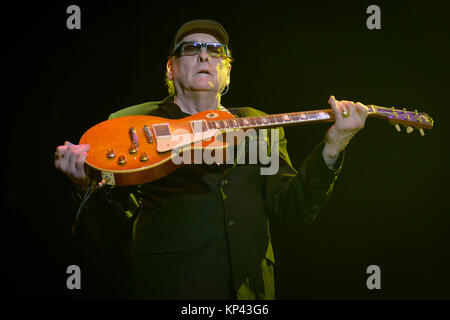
{"x": 287, "y": 119}
{"x": 416, "y": 119}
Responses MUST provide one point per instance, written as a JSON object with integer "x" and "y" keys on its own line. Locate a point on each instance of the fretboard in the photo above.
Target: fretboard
{"x": 277, "y": 120}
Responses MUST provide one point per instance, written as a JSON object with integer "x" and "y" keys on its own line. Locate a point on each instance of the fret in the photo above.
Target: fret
{"x": 294, "y": 116}
{"x": 303, "y": 115}
{"x": 271, "y": 119}
{"x": 246, "y": 122}
{"x": 252, "y": 121}
{"x": 230, "y": 123}
{"x": 241, "y": 122}
{"x": 278, "y": 118}
{"x": 323, "y": 115}
{"x": 286, "y": 117}
{"x": 264, "y": 120}
{"x": 258, "y": 121}
{"x": 312, "y": 116}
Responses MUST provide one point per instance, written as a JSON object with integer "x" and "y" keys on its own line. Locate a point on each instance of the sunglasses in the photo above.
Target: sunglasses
{"x": 215, "y": 50}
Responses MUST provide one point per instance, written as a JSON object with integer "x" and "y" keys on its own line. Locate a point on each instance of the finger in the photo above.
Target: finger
{"x": 59, "y": 155}
{"x": 61, "y": 150}
{"x": 65, "y": 147}
{"x": 57, "y": 163}
{"x": 336, "y": 110}
{"x": 362, "y": 110}
{"x": 72, "y": 156}
{"x": 62, "y": 156}
{"x": 61, "y": 162}
{"x": 81, "y": 160}
{"x": 67, "y": 162}
{"x": 79, "y": 165}
{"x": 350, "y": 106}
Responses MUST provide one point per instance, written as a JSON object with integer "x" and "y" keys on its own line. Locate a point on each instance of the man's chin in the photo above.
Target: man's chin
{"x": 205, "y": 86}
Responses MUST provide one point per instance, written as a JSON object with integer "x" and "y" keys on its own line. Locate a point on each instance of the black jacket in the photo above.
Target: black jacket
{"x": 202, "y": 232}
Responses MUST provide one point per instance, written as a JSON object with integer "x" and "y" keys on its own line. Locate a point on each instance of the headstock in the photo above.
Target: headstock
{"x": 409, "y": 119}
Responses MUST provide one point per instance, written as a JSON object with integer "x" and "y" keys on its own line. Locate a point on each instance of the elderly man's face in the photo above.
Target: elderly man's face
{"x": 200, "y": 72}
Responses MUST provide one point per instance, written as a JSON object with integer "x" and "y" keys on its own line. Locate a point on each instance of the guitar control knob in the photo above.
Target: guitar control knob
{"x": 132, "y": 149}
{"x": 397, "y": 127}
{"x": 409, "y": 129}
{"x": 421, "y": 132}
{"x": 143, "y": 157}
{"x": 110, "y": 154}
{"x": 122, "y": 160}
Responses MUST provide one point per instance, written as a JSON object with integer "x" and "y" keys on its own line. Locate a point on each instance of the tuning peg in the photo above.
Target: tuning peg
{"x": 397, "y": 127}
{"x": 409, "y": 129}
{"x": 422, "y": 133}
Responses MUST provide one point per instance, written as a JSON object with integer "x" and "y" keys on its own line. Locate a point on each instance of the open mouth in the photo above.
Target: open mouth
{"x": 204, "y": 72}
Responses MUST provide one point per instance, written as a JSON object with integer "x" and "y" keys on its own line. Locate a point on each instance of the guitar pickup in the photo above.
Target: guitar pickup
{"x": 162, "y": 131}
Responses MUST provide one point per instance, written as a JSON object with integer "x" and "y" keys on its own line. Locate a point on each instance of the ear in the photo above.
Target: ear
{"x": 169, "y": 69}
{"x": 229, "y": 72}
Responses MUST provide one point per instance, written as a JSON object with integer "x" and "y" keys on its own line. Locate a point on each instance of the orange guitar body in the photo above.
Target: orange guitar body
{"x": 138, "y": 149}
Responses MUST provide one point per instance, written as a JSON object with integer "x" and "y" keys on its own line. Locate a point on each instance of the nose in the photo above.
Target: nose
{"x": 203, "y": 56}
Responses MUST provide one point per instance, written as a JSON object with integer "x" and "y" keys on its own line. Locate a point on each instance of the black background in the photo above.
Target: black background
{"x": 389, "y": 207}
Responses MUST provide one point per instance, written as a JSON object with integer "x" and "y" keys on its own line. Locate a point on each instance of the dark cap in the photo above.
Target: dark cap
{"x": 202, "y": 26}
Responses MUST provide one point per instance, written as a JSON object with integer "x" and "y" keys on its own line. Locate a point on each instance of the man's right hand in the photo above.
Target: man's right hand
{"x": 70, "y": 159}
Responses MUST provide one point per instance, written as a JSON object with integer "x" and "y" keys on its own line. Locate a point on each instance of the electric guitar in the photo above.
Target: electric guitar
{"x": 134, "y": 150}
